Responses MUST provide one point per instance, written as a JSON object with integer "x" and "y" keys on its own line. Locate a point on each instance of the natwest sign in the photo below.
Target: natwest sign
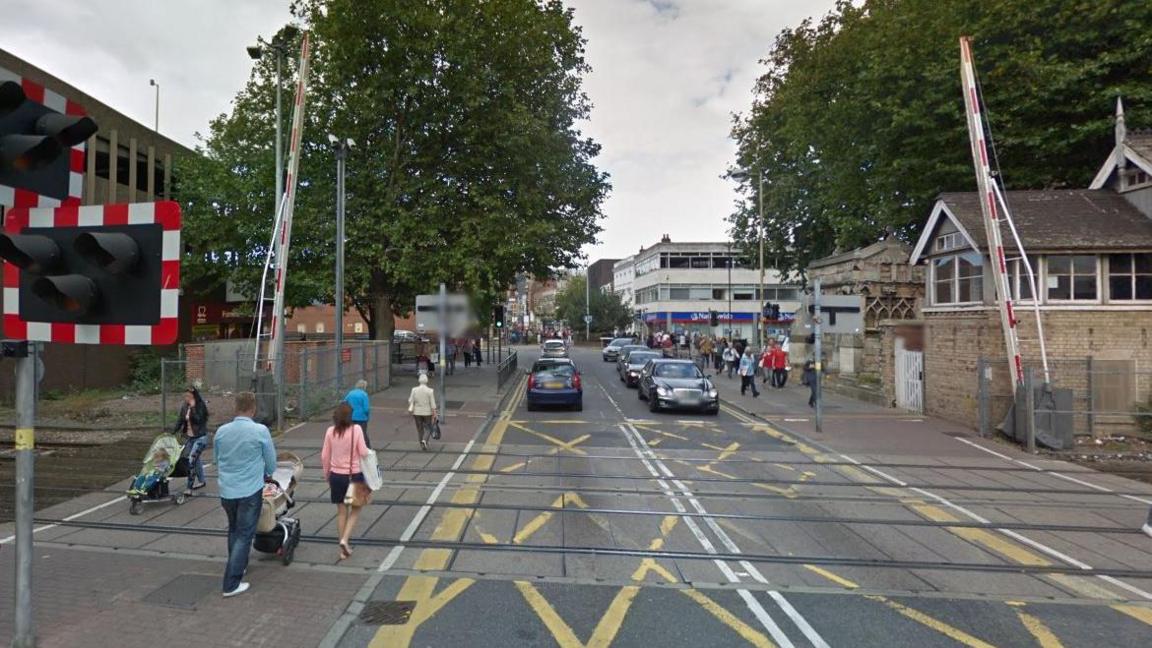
{"x": 221, "y": 312}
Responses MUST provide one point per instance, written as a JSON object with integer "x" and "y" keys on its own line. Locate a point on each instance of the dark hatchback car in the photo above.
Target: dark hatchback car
{"x": 677, "y": 384}
{"x": 622, "y": 354}
{"x": 629, "y": 367}
{"x": 554, "y": 382}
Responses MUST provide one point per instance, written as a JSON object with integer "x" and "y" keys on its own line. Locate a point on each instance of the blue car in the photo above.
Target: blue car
{"x": 554, "y": 382}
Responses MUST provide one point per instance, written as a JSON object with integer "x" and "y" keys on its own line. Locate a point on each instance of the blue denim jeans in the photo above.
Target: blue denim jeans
{"x": 243, "y": 514}
{"x": 195, "y": 466}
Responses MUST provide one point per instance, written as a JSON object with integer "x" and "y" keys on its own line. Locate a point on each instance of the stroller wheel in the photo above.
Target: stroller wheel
{"x": 287, "y": 553}
{"x": 179, "y": 499}
{"x": 136, "y": 507}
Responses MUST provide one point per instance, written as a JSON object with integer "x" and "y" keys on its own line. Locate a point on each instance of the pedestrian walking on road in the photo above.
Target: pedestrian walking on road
{"x": 778, "y": 361}
{"x": 361, "y": 406}
{"x": 748, "y": 373}
{"x": 730, "y": 359}
{"x": 450, "y": 360}
{"x": 193, "y": 422}
{"x": 344, "y": 445}
{"x": 706, "y": 349}
{"x": 476, "y": 351}
{"x": 245, "y": 457}
{"x": 422, "y": 405}
{"x": 467, "y": 353}
{"x": 718, "y": 354}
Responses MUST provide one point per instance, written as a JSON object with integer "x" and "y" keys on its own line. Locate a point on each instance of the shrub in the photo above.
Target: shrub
{"x": 145, "y": 371}
{"x": 1143, "y": 418}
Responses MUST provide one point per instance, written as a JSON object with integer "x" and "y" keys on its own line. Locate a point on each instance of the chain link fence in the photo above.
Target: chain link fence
{"x": 1084, "y": 396}
{"x": 316, "y": 376}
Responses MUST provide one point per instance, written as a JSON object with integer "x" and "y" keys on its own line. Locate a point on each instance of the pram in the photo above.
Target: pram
{"x": 165, "y": 459}
{"x": 276, "y": 533}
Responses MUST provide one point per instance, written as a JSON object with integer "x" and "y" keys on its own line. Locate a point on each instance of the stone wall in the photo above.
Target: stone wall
{"x": 1098, "y": 354}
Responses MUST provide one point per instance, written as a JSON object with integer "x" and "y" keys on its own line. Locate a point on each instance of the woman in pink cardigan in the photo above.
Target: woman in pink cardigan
{"x": 343, "y": 447}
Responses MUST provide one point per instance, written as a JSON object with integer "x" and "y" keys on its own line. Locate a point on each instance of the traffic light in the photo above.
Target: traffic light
{"x": 498, "y": 316}
{"x": 713, "y": 318}
{"x": 104, "y": 274}
{"x": 36, "y": 153}
{"x": 775, "y": 315}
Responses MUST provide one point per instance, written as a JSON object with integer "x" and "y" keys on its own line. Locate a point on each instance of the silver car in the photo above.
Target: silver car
{"x": 611, "y": 352}
{"x": 553, "y": 349}
{"x": 677, "y": 384}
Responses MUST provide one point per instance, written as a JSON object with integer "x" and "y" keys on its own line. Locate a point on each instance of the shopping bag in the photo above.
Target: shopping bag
{"x": 435, "y": 433}
{"x": 371, "y": 471}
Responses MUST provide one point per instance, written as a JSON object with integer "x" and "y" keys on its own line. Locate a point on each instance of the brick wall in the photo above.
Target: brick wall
{"x": 954, "y": 342}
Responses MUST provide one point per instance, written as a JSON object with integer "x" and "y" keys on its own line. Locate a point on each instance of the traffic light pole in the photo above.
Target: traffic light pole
{"x": 819, "y": 351}
{"x": 443, "y": 348}
{"x": 25, "y": 635}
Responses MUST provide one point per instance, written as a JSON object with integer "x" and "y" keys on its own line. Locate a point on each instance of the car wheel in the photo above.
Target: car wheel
{"x": 640, "y": 393}
{"x": 653, "y": 404}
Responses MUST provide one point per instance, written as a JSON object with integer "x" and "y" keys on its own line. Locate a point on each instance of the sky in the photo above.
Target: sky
{"x": 667, "y": 76}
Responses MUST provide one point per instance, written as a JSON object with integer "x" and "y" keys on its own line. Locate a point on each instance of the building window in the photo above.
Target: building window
{"x": 358, "y": 327}
{"x": 719, "y": 294}
{"x": 1018, "y": 278}
{"x": 958, "y": 279}
{"x": 679, "y": 293}
{"x": 320, "y": 327}
{"x": 744, "y": 295}
{"x": 301, "y": 328}
{"x": 951, "y": 241}
{"x": 1129, "y": 277}
{"x": 1072, "y": 278}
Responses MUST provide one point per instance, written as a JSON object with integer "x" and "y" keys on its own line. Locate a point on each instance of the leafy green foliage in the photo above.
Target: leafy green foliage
{"x": 608, "y": 310}
{"x": 858, "y": 122}
{"x": 467, "y": 166}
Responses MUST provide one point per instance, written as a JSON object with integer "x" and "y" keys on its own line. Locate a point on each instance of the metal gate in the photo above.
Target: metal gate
{"x": 910, "y": 380}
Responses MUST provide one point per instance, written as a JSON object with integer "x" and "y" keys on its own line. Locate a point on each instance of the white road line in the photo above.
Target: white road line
{"x": 651, "y": 462}
{"x": 1074, "y": 480}
{"x": 68, "y": 519}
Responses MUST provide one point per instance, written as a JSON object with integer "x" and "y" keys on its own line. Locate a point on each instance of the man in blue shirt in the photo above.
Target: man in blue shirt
{"x": 244, "y": 456}
{"x": 361, "y": 407}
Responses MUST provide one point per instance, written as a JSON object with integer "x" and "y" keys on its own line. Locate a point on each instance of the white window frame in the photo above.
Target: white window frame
{"x": 1099, "y": 287}
{"x": 955, "y": 280}
{"x": 1018, "y": 275}
{"x": 1129, "y": 275}
{"x": 950, "y": 241}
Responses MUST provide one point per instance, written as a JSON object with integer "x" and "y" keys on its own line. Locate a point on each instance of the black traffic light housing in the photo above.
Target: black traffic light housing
{"x": 35, "y": 142}
{"x": 498, "y": 316}
{"x": 109, "y": 274}
{"x": 713, "y": 318}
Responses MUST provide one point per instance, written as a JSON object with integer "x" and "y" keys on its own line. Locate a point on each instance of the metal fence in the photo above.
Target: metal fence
{"x": 506, "y": 369}
{"x": 1087, "y": 396}
{"x": 315, "y": 377}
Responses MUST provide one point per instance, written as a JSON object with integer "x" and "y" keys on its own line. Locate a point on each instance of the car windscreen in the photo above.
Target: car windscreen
{"x": 553, "y": 344}
{"x": 677, "y": 371}
{"x": 621, "y": 342}
{"x": 641, "y": 359}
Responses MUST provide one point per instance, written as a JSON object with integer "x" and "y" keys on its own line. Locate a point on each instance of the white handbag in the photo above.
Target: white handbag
{"x": 371, "y": 471}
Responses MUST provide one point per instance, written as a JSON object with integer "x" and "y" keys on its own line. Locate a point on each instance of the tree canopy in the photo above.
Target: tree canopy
{"x": 468, "y": 164}
{"x": 607, "y": 309}
{"x": 858, "y": 122}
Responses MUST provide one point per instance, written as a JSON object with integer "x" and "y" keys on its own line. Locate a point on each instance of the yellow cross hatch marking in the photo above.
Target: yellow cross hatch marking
{"x": 1040, "y": 632}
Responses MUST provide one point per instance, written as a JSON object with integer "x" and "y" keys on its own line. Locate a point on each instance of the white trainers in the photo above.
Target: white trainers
{"x": 1147, "y": 529}
{"x": 240, "y": 589}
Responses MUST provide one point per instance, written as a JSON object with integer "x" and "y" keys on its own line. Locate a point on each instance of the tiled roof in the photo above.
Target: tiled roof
{"x": 1061, "y": 220}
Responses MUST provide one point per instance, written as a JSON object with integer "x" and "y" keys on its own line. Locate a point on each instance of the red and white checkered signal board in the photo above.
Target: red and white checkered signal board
{"x": 36, "y": 92}
{"x": 165, "y": 331}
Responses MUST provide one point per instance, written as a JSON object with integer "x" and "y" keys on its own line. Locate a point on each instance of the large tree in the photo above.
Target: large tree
{"x": 607, "y": 309}
{"x": 858, "y": 121}
{"x": 468, "y": 165}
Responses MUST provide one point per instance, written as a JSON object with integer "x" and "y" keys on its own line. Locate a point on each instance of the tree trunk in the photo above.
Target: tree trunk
{"x": 385, "y": 323}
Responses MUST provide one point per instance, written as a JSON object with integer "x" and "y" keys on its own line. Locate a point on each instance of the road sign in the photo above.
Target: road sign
{"x": 840, "y": 313}
{"x": 457, "y": 312}
{"x": 100, "y": 274}
{"x": 587, "y": 319}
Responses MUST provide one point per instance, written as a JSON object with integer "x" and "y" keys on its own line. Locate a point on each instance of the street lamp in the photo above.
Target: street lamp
{"x": 256, "y": 52}
{"x": 745, "y": 174}
{"x": 152, "y": 82}
{"x": 340, "y": 147}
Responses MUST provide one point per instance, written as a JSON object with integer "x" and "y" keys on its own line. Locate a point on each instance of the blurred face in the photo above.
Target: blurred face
{"x": 189, "y": 398}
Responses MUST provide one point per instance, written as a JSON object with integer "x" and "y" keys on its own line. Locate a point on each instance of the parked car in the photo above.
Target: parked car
{"x": 677, "y": 384}
{"x": 611, "y": 352}
{"x": 553, "y": 349}
{"x": 554, "y": 382}
{"x": 630, "y": 366}
{"x": 401, "y": 335}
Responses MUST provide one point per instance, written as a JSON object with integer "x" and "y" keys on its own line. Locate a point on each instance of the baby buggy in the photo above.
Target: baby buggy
{"x": 276, "y": 533}
{"x": 165, "y": 459}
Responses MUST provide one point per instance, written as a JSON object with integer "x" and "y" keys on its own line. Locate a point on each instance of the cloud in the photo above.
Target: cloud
{"x": 667, "y": 76}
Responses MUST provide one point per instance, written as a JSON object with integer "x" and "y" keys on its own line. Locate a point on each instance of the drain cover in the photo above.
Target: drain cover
{"x": 184, "y": 591}
{"x": 387, "y": 612}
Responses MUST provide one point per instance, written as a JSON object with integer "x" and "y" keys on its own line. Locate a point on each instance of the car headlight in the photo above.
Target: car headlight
{"x": 633, "y": 373}
{"x": 663, "y": 391}
{"x": 712, "y": 393}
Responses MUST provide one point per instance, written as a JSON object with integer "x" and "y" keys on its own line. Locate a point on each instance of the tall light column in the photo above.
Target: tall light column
{"x": 760, "y": 318}
{"x": 340, "y": 147}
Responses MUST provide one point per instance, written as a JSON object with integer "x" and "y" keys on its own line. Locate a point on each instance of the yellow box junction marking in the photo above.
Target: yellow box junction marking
{"x": 1040, "y": 632}
{"x": 533, "y": 525}
{"x": 570, "y": 446}
{"x": 990, "y": 540}
{"x": 1136, "y": 612}
{"x": 925, "y": 620}
{"x": 421, "y": 588}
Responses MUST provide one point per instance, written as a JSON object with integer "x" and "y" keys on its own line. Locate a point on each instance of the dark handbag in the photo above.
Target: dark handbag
{"x": 435, "y": 432}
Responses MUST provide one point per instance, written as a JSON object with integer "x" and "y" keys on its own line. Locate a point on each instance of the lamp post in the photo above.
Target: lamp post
{"x": 729, "y": 290}
{"x": 256, "y": 52}
{"x": 745, "y": 174}
{"x": 587, "y": 304}
{"x": 340, "y": 147}
{"x": 152, "y": 82}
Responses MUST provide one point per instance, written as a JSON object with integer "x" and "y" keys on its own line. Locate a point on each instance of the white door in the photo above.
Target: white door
{"x": 910, "y": 380}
